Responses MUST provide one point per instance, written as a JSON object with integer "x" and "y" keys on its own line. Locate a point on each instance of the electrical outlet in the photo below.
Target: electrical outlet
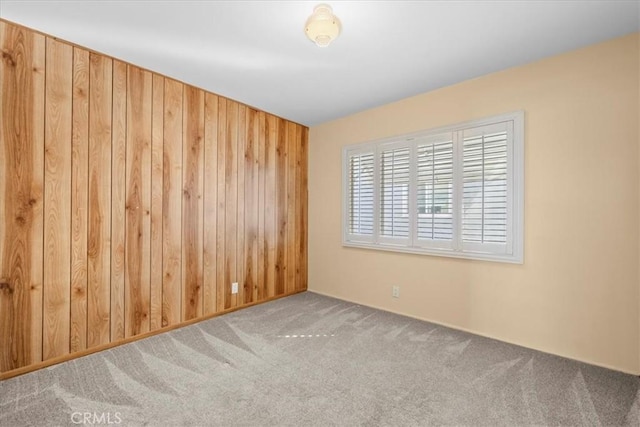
{"x": 234, "y": 288}
{"x": 395, "y": 292}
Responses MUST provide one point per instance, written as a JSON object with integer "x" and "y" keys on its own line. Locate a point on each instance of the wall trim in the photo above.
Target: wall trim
{"x": 480, "y": 334}
{"x": 67, "y": 357}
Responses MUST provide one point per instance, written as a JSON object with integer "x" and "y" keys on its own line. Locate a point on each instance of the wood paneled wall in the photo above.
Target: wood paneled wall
{"x": 130, "y": 202}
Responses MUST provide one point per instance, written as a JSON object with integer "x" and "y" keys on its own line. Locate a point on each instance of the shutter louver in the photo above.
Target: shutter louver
{"x": 435, "y": 190}
{"x": 394, "y": 192}
{"x": 485, "y": 190}
{"x": 361, "y": 191}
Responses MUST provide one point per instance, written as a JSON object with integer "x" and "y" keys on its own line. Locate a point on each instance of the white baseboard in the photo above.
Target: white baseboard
{"x": 458, "y": 328}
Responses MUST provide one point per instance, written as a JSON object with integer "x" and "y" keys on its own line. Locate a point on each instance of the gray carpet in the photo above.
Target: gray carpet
{"x": 317, "y": 361}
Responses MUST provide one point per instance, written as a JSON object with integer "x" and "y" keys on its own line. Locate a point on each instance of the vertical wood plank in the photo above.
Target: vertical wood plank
{"x": 240, "y": 229}
{"x": 231, "y": 202}
{"x": 281, "y": 208}
{"x": 251, "y": 205}
{"x": 172, "y": 204}
{"x": 99, "y": 242}
{"x": 261, "y": 288}
{"x": 210, "y": 190}
{"x": 79, "y": 199}
{"x": 157, "y": 144}
{"x": 192, "y": 233}
{"x": 292, "y": 159}
{"x": 297, "y": 210}
{"x": 271, "y": 203}
{"x": 304, "y": 209}
{"x": 22, "y": 91}
{"x": 57, "y": 195}
{"x": 118, "y": 199}
{"x": 256, "y": 214}
{"x": 221, "y": 259}
{"x": 138, "y": 230}
{"x": 33, "y": 146}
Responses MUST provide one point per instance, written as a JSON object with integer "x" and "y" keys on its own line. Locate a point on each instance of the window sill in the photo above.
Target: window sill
{"x": 477, "y": 256}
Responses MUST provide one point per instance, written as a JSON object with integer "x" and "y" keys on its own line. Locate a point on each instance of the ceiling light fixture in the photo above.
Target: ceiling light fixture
{"x": 323, "y": 26}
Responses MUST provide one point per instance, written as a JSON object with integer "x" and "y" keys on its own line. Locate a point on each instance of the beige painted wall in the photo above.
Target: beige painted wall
{"x": 577, "y": 293}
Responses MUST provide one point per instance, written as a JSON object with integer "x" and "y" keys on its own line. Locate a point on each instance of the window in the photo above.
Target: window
{"x": 455, "y": 191}
{"x": 394, "y": 194}
{"x": 361, "y": 199}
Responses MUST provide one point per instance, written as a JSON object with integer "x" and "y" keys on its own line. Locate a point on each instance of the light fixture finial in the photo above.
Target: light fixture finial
{"x": 323, "y": 26}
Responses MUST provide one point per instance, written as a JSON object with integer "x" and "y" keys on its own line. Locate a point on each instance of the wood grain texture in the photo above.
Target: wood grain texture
{"x": 251, "y": 205}
{"x": 231, "y": 204}
{"x": 221, "y": 258}
{"x": 298, "y": 210}
{"x": 130, "y": 202}
{"x": 118, "y": 198}
{"x": 210, "y": 191}
{"x": 192, "y": 203}
{"x": 172, "y": 204}
{"x": 157, "y": 168}
{"x": 303, "y": 230}
{"x": 99, "y": 241}
{"x": 271, "y": 203}
{"x": 57, "y": 197}
{"x": 79, "y": 199}
{"x": 261, "y": 143}
{"x": 281, "y": 208}
{"x": 292, "y": 250}
{"x": 138, "y": 206}
{"x": 22, "y": 90}
{"x": 240, "y": 215}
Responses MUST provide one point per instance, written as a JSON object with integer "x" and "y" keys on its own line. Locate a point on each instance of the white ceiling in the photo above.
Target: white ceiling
{"x": 256, "y": 52}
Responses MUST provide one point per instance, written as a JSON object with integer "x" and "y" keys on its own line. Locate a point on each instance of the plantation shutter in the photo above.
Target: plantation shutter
{"x": 486, "y": 188}
{"x": 394, "y": 193}
{"x": 455, "y": 191}
{"x": 434, "y": 220}
{"x": 361, "y": 196}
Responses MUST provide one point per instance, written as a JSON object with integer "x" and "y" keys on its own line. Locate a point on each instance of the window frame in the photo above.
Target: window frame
{"x": 457, "y": 249}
